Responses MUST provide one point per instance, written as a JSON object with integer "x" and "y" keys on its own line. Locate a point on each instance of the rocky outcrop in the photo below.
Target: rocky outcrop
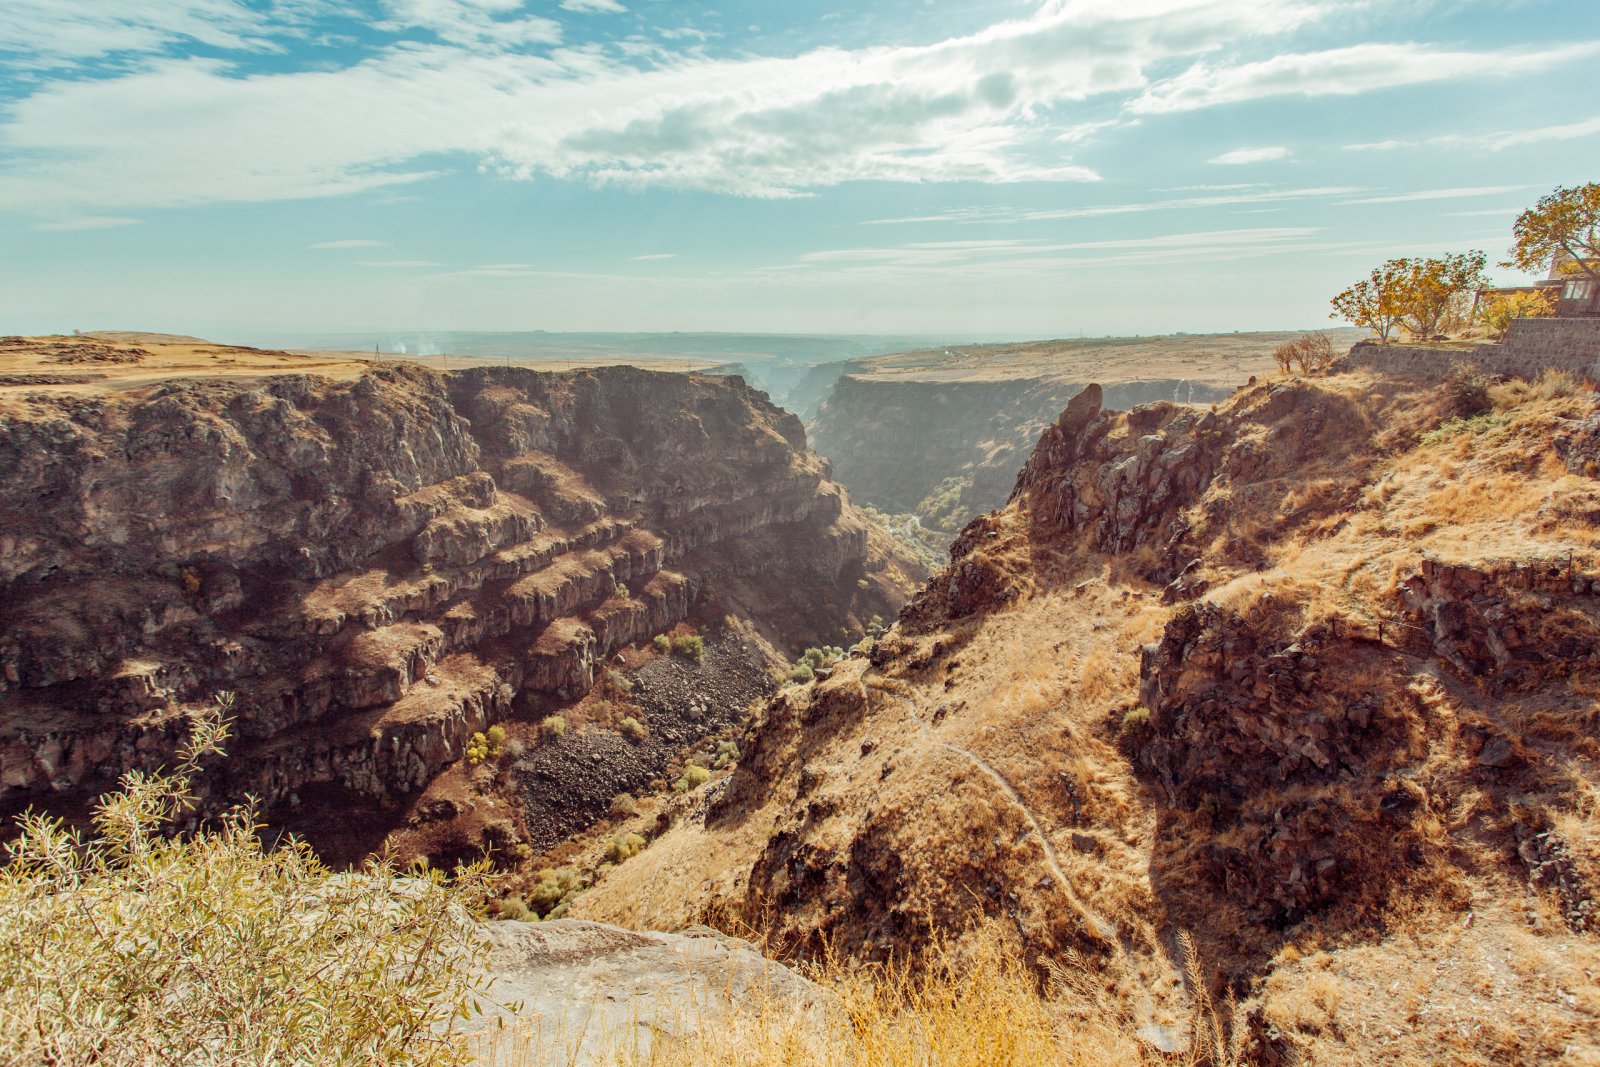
{"x": 378, "y": 568}
{"x": 597, "y": 992}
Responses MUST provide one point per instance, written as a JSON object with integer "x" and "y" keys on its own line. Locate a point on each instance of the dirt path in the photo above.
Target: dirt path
{"x": 1162, "y": 1036}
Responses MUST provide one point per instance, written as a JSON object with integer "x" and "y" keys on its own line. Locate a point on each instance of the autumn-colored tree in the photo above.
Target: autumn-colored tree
{"x": 1497, "y": 312}
{"x": 1372, "y": 302}
{"x": 1435, "y": 293}
{"x": 1563, "y": 227}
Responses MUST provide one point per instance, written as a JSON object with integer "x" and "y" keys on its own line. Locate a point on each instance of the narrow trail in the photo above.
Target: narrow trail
{"x": 1093, "y": 921}
{"x": 1158, "y": 1034}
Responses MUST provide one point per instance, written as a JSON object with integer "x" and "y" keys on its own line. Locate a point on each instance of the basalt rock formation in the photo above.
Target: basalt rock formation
{"x": 1309, "y": 678}
{"x": 380, "y": 566}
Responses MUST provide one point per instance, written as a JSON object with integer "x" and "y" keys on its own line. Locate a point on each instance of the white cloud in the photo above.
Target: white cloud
{"x": 1241, "y": 156}
{"x": 1012, "y": 215}
{"x": 85, "y": 222}
{"x": 1342, "y": 72}
{"x": 1440, "y": 194}
{"x": 52, "y": 32}
{"x": 402, "y": 263}
{"x": 654, "y": 256}
{"x": 353, "y": 243}
{"x": 1493, "y": 142}
{"x": 494, "y": 24}
{"x": 608, "y": 6}
{"x": 472, "y": 84}
{"x": 979, "y": 108}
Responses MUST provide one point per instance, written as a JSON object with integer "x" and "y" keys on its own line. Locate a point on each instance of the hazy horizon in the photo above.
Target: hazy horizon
{"x": 949, "y": 168}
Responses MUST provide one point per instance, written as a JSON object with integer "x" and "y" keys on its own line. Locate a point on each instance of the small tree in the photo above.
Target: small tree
{"x": 1310, "y": 353}
{"x": 1373, "y": 302}
{"x": 1434, "y": 294}
{"x": 1563, "y": 226}
{"x": 1497, "y": 313}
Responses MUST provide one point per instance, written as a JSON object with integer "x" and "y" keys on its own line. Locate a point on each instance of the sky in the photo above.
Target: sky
{"x": 1004, "y": 169}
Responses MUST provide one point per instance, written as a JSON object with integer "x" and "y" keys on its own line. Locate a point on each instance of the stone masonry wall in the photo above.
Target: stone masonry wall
{"x": 1531, "y": 347}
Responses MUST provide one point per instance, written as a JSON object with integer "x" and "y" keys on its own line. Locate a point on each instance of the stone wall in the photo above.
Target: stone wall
{"x": 1531, "y": 347}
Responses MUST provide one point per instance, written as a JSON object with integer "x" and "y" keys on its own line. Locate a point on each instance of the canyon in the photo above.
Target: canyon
{"x": 940, "y": 434}
{"x": 378, "y": 561}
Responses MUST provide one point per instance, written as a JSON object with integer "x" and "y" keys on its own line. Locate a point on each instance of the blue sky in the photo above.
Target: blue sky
{"x": 1003, "y": 169}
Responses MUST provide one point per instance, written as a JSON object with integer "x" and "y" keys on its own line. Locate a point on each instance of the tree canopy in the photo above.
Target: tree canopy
{"x": 1563, "y": 226}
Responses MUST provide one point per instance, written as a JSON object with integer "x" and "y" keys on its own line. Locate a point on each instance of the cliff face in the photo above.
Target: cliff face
{"x": 1310, "y": 678}
{"x": 381, "y": 566}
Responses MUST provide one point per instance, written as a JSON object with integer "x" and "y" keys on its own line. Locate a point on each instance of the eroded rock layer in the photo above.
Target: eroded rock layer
{"x": 380, "y": 566}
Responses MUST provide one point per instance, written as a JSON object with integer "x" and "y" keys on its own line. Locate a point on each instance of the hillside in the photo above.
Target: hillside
{"x": 381, "y": 562}
{"x": 1311, "y": 678}
{"x": 941, "y": 433}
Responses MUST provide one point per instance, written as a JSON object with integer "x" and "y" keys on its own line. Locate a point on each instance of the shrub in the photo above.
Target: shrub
{"x": 1310, "y": 353}
{"x": 727, "y": 754}
{"x": 624, "y": 847}
{"x": 131, "y": 945}
{"x": 1136, "y": 725}
{"x": 801, "y": 673}
{"x": 477, "y": 749}
{"x": 617, "y": 682}
{"x": 496, "y": 736}
{"x": 662, "y": 644}
{"x": 690, "y": 646}
{"x": 1468, "y": 391}
{"x": 623, "y": 806}
{"x": 513, "y": 908}
{"x": 554, "y": 890}
{"x": 634, "y": 728}
{"x": 694, "y": 776}
{"x": 553, "y": 726}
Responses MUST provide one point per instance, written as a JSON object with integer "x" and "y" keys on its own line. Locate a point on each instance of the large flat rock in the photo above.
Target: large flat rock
{"x": 571, "y": 993}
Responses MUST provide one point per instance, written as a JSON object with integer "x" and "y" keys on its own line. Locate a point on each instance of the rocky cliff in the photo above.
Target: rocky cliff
{"x": 382, "y": 565}
{"x": 1310, "y": 678}
{"x": 947, "y": 451}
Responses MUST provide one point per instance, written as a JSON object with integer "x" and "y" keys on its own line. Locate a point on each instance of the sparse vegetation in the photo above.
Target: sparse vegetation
{"x": 135, "y": 946}
{"x": 553, "y": 726}
{"x": 694, "y": 776}
{"x": 624, "y": 847}
{"x": 662, "y": 644}
{"x": 727, "y": 754}
{"x": 623, "y": 806}
{"x": 812, "y": 661}
{"x": 490, "y": 744}
{"x": 689, "y": 646}
{"x": 553, "y": 892}
{"x": 633, "y": 728}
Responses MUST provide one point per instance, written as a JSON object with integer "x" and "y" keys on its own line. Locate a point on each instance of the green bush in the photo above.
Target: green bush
{"x": 131, "y": 945}
{"x": 727, "y": 754}
{"x": 553, "y": 726}
{"x": 634, "y": 728}
{"x": 1136, "y": 725}
{"x": 624, "y": 847}
{"x": 690, "y": 646}
{"x": 553, "y": 892}
{"x": 694, "y": 776}
{"x": 623, "y": 806}
{"x": 662, "y": 643}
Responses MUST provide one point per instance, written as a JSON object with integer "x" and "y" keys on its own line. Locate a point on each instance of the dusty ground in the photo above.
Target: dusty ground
{"x": 123, "y": 360}
{"x": 1218, "y": 359}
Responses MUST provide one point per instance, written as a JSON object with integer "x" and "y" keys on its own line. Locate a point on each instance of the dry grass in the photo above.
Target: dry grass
{"x": 975, "y": 1004}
